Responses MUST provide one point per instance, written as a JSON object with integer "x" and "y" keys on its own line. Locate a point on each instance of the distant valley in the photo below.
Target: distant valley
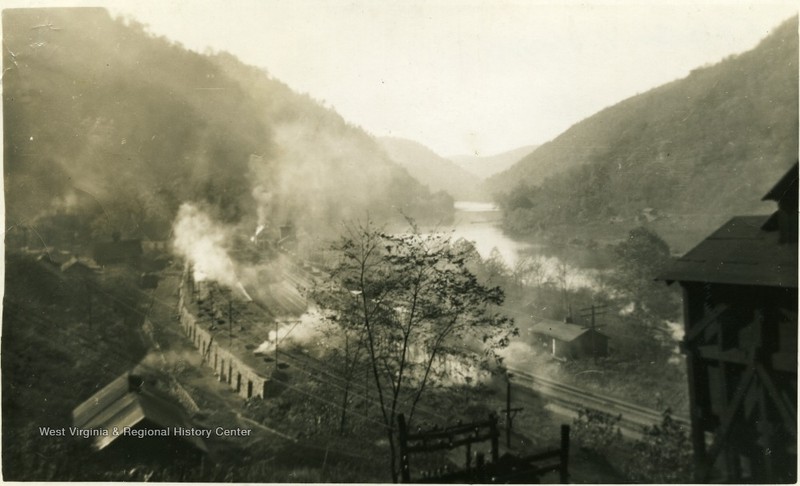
{"x": 434, "y": 171}
{"x": 460, "y": 176}
{"x": 485, "y": 166}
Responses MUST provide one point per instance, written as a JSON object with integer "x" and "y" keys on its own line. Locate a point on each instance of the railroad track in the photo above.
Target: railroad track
{"x": 570, "y": 399}
{"x": 573, "y": 399}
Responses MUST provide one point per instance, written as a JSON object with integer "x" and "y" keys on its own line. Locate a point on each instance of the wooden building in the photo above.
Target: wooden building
{"x": 740, "y": 314}
{"x": 136, "y": 423}
{"x": 78, "y": 269}
{"x": 567, "y": 341}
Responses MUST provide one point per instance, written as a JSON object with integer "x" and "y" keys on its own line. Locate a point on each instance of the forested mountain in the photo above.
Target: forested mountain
{"x": 485, "y": 166}
{"x": 108, "y": 122}
{"x": 692, "y": 152}
{"x": 436, "y": 172}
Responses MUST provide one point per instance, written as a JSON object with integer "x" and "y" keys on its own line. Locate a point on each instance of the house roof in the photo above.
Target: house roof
{"x": 117, "y": 405}
{"x": 785, "y": 189}
{"x": 75, "y": 263}
{"x": 740, "y": 252}
{"x": 54, "y": 258}
{"x": 563, "y": 331}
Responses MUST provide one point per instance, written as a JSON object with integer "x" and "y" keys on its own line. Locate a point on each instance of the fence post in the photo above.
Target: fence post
{"x": 480, "y": 466}
{"x": 564, "y": 459}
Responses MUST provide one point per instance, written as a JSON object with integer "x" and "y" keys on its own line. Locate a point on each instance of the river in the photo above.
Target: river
{"x": 479, "y": 222}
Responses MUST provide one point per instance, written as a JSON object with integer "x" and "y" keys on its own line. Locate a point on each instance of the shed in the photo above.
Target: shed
{"x": 740, "y": 318}
{"x": 46, "y": 258}
{"x": 78, "y": 268}
{"x": 567, "y": 340}
{"x": 151, "y": 419}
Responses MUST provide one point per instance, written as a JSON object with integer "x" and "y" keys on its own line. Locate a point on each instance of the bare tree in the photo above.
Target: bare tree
{"x": 349, "y": 340}
{"x": 417, "y": 302}
{"x": 562, "y": 279}
{"x": 529, "y": 271}
{"x": 495, "y": 268}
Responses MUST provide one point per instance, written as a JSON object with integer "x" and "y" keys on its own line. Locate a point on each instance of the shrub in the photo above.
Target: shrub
{"x": 662, "y": 455}
{"x": 597, "y": 431}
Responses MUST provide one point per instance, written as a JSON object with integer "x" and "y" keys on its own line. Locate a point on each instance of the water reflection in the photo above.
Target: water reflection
{"x": 479, "y": 223}
{"x": 475, "y": 207}
{"x": 481, "y": 228}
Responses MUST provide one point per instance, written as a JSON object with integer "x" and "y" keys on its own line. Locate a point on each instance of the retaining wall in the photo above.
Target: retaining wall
{"x": 228, "y": 367}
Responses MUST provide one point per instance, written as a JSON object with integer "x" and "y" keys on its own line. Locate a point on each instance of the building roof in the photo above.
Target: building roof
{"x": 785, "y": 190}
{"x": 125, "y": 403}
{"x": 79, "y": 264}
{"x": 748, "y": 250}
{"x": 740, "y": 252}
{"x": 563, "y": 331}
{"x": 54, "y": 258}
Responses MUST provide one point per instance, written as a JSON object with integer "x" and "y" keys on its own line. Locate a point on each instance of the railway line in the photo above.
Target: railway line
{"x": 567, "y": 399}
{"x": 564, "y": 399}
{"x": 570, "y": 400}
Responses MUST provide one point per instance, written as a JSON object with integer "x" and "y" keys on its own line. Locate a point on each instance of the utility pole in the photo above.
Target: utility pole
{"x": 510, "y": 412}
{"x": 594, "y": 311}
{"x": 230, "y": 323}
{"x": 190, "y": 282}
{"x": 287, "y": 321}
{"x": 594, "y": 346}
{"x": 89, "y": 297}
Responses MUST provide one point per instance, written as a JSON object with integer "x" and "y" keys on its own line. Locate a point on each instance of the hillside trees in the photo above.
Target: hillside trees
{"x": 142, "y": 125}
{"x": 697, "y": 150}
{"x": 419, "y": 310}
{"x": 639, "y": 260}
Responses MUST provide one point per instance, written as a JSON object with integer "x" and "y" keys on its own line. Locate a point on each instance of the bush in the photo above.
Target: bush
{"x": 662, "y": 455}
{"x": 597, "y": 431}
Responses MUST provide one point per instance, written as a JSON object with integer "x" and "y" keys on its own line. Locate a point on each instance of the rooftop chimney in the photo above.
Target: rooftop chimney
{"x": 135, "y": 383}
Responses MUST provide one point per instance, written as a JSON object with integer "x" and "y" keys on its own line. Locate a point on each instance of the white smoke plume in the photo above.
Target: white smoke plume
{"x": 259, "y": 229}
{"x": 316, "y": 178}
{"x": 302, "y": 330}
{"x": 202, "y": 241}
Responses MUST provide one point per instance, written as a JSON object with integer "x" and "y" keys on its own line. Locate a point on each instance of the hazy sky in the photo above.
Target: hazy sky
{"x": 463, "y": 76}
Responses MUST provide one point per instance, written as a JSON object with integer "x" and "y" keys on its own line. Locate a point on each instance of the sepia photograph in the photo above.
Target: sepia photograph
{"x": 362, "y": 241}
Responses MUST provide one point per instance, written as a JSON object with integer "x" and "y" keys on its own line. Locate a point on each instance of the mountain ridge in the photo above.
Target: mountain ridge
{"x": 697, "y": 150}
{"x": 433, "y": 170}
{"x": 104, "y": 119}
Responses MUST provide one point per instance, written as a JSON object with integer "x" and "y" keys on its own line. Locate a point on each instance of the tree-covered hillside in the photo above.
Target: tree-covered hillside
{"x": 436, "y": 172}
{"x": 106, "y": 121}
{"x": 686, "y": 155}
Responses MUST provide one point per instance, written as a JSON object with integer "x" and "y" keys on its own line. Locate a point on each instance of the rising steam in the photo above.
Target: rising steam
{"x": 202, "y": 242}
